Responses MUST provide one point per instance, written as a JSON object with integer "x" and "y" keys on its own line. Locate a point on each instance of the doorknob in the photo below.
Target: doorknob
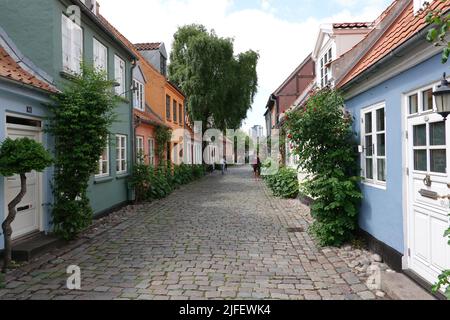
{"x": 427, "y": 181}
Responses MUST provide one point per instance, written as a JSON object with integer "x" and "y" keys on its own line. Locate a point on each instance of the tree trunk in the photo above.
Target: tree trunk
{"x": 6, "y": 225}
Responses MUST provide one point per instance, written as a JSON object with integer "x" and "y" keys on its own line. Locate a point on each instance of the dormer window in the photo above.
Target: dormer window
{"x": 163, "y": 66}
{"x": 325, "y": 69}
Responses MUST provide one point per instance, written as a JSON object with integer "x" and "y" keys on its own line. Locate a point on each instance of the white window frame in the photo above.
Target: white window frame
{"x": 119, "y": 75}
{"x": 421, "y": 112}
{"x": 138, "y": 95}
{"x": 100, "y": 55}
{"x": 72, "y": 52}
{"x": 121, "y": 163}
{"x": 151, "y": 151}
{"x": 140, "y": 150}
{"x": 102, "y": 174}
{"x": 324, "y": 74}
{"x": 374, "y": 134}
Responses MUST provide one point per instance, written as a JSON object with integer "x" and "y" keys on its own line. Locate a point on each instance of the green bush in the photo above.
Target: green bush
{"x": 322, "y": 138}
{"x": 284, "y": 183}
{"x": 157, "y": 183}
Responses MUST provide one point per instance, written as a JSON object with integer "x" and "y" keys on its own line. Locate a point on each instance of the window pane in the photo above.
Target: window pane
{"x": 369, "y": 169}
{"x": 380, "y": 120}
{"x": 381, "y": 145}
{"x": 437, "y": 133}
{"x": 368, "y": 122}
{"x": 420, "y": 160}
{"x": 428, "y": 100}
{"x": 381, "y": 170}
{"x": 438, "y": 161}
{"x": 369, "y": 146}
{"x": 420, "y": 135}
{"x": 413, "y": 104}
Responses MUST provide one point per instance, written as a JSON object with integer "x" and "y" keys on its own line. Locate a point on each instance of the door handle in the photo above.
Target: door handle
{"x": 427, "y": 181}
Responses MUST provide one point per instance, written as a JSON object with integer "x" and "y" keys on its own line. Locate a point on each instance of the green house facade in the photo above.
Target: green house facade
{"x": 56, "y": 36}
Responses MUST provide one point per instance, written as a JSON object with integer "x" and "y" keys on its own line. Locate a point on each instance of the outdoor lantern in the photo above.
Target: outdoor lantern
{"x": 442, "y": 96}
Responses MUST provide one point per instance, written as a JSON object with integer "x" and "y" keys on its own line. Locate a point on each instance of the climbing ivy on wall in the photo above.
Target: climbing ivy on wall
{"x": 81, "y": 117}
{"x": 163, "y": 136}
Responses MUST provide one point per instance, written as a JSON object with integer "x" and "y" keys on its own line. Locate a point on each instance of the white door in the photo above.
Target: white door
{"x": 429, "y": 164}
{"x": 28, "y": 211}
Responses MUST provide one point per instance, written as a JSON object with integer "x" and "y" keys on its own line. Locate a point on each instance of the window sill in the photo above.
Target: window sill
{"x": 381, "y": 186}
{"x": 121, "y": 176}
{"x": 100, "y": 180}
{"x": 67, "y": 75}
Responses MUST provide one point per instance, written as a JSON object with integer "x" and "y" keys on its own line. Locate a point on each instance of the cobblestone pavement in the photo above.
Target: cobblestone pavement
{"x": 223, "y": 237}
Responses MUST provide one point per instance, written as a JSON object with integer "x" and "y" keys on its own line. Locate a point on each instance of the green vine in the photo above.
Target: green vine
{"x": 81, "y": 117}
{"x": 163, "y": 135}
{"x": 438, "y": 33}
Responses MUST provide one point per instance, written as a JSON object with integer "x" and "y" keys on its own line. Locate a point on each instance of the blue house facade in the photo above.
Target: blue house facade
{"x": 24, "y": 89}
{"x": 404, "y": 147}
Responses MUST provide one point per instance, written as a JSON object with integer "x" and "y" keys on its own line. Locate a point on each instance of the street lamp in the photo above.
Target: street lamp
{"x": 442, "y": 96}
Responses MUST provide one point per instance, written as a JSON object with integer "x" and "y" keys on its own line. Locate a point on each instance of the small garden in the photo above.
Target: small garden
{"x": 153, "y": 183}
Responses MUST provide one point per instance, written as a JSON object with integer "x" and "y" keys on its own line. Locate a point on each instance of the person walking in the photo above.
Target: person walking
{"x": 223, "y": 162}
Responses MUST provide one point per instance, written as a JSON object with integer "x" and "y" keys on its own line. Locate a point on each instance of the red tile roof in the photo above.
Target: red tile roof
{"x": 403, "y": 28}
{"x": 10, "y": 69}
{"x": 352, "y": 25}
{"x": 149, "y": 118}
{"x": 148, "y": 46}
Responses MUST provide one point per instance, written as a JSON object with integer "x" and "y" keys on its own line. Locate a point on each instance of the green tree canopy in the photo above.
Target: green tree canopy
{"x": 220, "y": 86}
{"x": 21, "y": 156}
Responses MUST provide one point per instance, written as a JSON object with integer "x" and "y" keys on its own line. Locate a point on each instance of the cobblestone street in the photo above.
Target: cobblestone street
{"x": 223, "y": 237}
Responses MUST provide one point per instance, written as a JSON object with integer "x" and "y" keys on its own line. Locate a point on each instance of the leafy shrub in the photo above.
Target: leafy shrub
{"x": 444, "y": 278}
{"x": 322, "y": 138}
{"x": 81, "y": 117}
{"x": 157, "y": 183}
{"x": 284, "y": 183}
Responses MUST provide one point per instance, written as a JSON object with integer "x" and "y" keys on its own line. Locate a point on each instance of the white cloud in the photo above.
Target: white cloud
{"x": 282, "y": 44}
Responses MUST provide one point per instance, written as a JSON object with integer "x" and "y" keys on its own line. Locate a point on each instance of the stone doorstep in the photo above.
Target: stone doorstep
{"x": 33, "y": 246}
{"x": 399, "y": 287}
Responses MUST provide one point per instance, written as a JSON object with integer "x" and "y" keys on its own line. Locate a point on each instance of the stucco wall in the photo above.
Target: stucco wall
{"x": 382, "y": 210}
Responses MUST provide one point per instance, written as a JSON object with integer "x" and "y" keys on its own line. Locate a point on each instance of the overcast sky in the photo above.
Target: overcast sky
{"x": 282, "y": 31}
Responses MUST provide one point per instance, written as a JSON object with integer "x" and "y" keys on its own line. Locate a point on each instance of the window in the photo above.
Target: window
{"x": 167, "y": 107}
{"x": 429, "y": 145}
{"x": 138, "y": 95}
{"x": 103, "y": 164}
{"x": 175, "y": 111}
{"x": 140, "y": 153}
{"x": 421, "y": 101}
{"x": 180, "y": 114}
{"x": 325, "y": 71}
{"x": 151, "y": 151}
{"x": 119, "y": 75}
{"x": 121, "y": 154}
{"x": 413, "y": 103}
{"x": 72, "y": 45}
{"x": 374, "y": 144}
{"x": 100, "y": 56}
{"x": 163, "y": 65}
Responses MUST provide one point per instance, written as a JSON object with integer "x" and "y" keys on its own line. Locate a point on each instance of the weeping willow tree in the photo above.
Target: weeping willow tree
{"x": 220, "y": 86}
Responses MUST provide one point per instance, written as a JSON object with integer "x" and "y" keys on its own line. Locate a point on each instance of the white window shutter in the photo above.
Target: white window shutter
{"x": 77, "y": 48}
{"x": 66, "y": 48}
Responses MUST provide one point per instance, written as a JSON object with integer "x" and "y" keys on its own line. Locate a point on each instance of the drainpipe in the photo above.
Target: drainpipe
{"x": 133, "y": 126}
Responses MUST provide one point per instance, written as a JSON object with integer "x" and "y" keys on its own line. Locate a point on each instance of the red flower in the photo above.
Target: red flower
{"x": 290, "y": 136}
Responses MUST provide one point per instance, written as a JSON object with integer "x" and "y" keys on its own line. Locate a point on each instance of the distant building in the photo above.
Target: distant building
{"x": 256, "y": 132}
